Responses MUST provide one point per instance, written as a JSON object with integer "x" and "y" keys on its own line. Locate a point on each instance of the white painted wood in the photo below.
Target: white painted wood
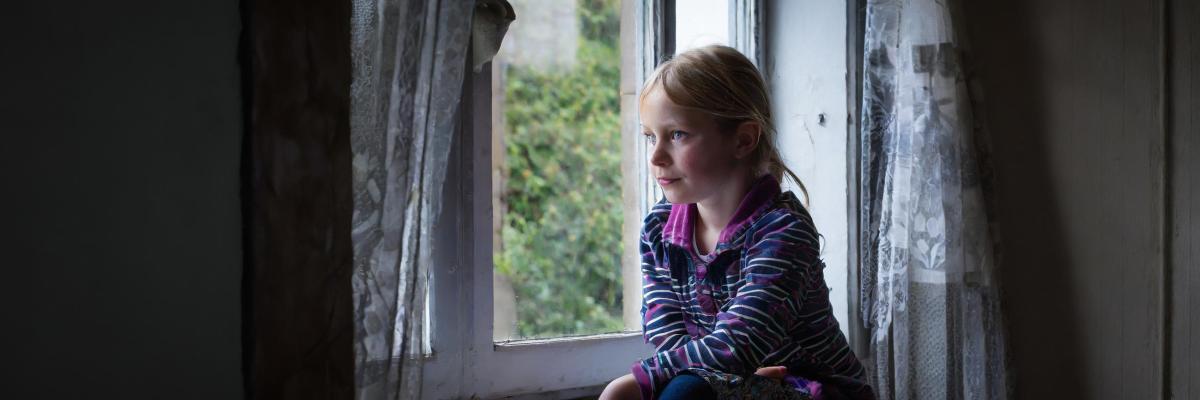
{"x": 633, "y": 162}
{"x": 806, "y": 58}
{"x": 558, "y": 364}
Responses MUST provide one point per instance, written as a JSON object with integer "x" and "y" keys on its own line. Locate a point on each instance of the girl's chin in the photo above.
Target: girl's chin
{"x": 675, "y": 196}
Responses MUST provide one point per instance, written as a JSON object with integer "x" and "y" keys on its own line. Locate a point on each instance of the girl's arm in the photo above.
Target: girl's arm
{"x": 755, "y": 322}
{"x": 662, "y": 311}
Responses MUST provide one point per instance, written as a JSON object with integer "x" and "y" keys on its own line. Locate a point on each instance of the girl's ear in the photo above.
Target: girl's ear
{"x": 746, "y": 138}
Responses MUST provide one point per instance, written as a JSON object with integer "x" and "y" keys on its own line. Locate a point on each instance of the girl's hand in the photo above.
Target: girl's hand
{"x": 772, "y": 372}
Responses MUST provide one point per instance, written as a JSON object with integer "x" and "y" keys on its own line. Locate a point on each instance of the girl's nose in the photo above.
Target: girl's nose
{"x": 659, "y": 157}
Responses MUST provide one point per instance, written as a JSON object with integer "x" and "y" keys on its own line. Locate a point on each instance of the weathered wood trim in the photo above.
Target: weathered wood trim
{"x": 1181, "y": 347}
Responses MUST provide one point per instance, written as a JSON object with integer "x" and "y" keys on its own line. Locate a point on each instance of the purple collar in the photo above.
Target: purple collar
{"x": 682, "y": 220}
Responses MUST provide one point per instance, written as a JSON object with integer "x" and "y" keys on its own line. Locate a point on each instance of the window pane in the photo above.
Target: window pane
{"x": 557, "y": 156}
{"x": 701, "y": 22}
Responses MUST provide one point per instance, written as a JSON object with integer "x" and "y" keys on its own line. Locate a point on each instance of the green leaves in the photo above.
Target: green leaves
{"x": 562, "y": 228}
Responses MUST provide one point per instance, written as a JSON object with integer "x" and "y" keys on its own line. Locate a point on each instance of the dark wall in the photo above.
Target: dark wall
{"x": 1183, "y": 233}
{"x": 1074, "y": 98}
{"x": 299, "y": 201}
{"x": 121, "y": 248}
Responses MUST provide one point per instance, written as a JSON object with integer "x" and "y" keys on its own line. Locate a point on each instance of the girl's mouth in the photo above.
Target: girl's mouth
{"x": 666, "y": 181}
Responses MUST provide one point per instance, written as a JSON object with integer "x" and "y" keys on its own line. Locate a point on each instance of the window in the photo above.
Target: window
{"x": 701, "y": 22}
{"x": 556, "y": 177}
{"x": 558, "y": 96}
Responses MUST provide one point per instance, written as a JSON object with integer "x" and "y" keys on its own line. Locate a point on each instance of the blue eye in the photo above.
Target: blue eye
{"x": 676, "y": 135}
{"x": 649, "y": 137}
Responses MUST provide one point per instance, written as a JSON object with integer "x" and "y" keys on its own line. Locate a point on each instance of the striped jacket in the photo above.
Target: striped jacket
{"x": 758, "y": 299}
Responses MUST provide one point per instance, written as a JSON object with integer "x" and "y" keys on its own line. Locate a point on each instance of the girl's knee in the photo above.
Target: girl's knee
{"x": 687, "y": 386}
{"x": 622, "y": 388}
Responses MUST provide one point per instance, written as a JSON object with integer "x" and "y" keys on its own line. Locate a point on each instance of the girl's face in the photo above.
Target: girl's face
{"x": 691, "y": 158}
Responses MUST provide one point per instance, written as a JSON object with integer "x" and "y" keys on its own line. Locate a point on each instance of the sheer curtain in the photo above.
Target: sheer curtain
{"x": 929, "y": 293}
{"x": 409, "y": 57}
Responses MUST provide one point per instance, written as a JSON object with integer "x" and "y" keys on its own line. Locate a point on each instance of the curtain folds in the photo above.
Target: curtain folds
{"x": 928, "y": 290}
{"x": 409, "y": 57}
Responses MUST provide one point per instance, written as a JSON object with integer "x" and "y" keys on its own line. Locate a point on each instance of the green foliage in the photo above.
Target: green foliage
{"x": 562, "y": 228}
{"x": 600, "y": 21}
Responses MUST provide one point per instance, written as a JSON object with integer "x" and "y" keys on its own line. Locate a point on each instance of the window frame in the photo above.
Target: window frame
{"x": 859, "y": 334}
{"x": 463, "y": 360}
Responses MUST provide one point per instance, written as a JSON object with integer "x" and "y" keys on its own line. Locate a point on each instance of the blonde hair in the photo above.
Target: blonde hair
{"x": 722, "y": 82}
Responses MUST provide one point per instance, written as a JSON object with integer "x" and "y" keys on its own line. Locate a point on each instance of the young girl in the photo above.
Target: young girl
{"x": 734, "y": 299}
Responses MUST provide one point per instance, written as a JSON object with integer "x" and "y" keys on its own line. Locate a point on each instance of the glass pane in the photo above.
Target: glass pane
{"x": 701, "y": 22}
{"x": 556, "y": 170}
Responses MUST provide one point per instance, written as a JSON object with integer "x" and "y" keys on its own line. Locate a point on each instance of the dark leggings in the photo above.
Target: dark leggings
{"x": 687, "y": 386}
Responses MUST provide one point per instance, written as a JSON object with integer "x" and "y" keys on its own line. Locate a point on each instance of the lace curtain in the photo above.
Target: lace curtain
{"x": 928, "y": 289}
{"x": 409, "y": 57}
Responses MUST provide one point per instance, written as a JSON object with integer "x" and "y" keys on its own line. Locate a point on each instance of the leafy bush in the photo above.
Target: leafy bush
{"x": 562, "y": 228}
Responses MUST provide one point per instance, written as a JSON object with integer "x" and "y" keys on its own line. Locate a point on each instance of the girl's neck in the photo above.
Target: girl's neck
{"x": 716, "y": 211}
